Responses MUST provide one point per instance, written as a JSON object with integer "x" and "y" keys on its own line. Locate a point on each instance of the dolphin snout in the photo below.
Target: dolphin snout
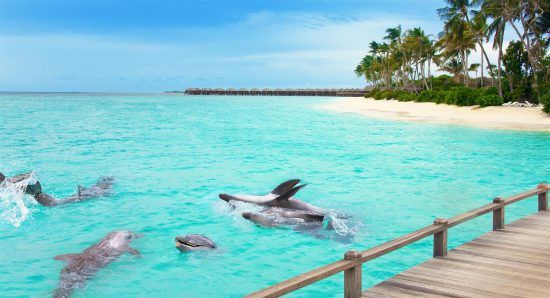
{"x": 247, "y": 215}
{"x": 226, "y": 197}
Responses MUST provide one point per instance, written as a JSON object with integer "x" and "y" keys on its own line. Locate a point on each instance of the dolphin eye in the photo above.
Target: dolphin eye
{"x": 129, "y": 237}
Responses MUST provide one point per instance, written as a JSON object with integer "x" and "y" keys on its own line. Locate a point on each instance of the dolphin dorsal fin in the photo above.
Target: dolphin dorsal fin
{"x": 80, "y": 189}
{"x": 285, "y": 187}
{"x": 290, "y": 193}
{"x": 66, "y": 257}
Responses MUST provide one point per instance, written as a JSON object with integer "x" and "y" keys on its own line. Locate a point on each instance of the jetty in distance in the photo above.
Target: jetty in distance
{"x": 349, "y": 92}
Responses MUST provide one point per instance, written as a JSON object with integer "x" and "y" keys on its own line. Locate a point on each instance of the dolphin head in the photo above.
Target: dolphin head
{"x": 249, "y": 215}
{"x": 120, "y": 239}
{"x": 193, "y": 242}
{"x": 227, "y": 197}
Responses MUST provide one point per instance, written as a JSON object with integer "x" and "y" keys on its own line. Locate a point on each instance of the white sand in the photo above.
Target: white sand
{"x": 490, "y": 117}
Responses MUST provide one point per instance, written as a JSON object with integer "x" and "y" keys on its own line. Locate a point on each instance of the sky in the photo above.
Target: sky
{"x": 155, "y": 46}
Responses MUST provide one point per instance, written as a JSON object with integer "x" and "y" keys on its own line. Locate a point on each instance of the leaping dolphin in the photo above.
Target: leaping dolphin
{"x": 281, "y": 196}
{"x": 82, "y": 266}
{"x": 193, "y": 242}
{"x": 16, "y": 178}
{"x": 103, "y": 186}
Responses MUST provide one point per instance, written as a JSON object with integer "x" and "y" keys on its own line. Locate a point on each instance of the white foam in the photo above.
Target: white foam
{"x": 338, "y": 225}
{"x": 13, "y": 208}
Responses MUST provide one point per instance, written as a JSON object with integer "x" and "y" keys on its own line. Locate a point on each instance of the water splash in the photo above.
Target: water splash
{"x": 13, "y": 209}
{"x": 338, "y": 225}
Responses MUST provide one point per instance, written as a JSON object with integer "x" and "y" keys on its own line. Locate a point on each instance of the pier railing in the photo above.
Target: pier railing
{"x": 353, "y": 260}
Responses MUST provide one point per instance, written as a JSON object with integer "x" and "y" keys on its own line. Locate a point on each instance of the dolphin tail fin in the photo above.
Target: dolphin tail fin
{"x": 290, "y": 193}
{"x": 285, "y": 187}
{"x": 66, "y": 257}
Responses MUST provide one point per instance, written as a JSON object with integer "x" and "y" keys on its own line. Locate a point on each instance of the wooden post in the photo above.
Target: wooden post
{"x": 498, "y": 215}
{"x": 543, "y": 198}
{"x": 352, "y": 276}
{"x": 440, "y": 239}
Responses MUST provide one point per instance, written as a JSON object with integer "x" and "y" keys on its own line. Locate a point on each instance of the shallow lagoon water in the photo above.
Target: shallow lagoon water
{"x": 172, "y": 155}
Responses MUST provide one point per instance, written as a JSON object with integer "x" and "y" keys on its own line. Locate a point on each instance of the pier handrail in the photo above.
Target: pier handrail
{"x": 353, "y": 260}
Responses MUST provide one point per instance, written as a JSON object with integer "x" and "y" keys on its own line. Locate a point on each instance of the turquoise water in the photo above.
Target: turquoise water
{"x": 173, "y": 154}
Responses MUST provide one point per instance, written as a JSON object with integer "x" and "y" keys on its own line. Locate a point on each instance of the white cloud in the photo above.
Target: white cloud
{"x": 265, "y": 49}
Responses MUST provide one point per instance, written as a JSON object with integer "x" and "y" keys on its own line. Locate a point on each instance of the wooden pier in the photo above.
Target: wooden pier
{"x": 278, "y": 92}
{"x": 510, "y": 261}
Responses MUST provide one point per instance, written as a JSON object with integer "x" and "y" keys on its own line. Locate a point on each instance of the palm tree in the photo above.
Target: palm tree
{"x": 528, "y": 14}
{"x": 479, "y": 30}
{"x": 455, "y": 15}
{"x": 394, "y": 35}
{"x": 418, "y": 43}
{"x": 452, "y": 66}
{"x": 364, "y": 68}
{"x": 493, "y": 9}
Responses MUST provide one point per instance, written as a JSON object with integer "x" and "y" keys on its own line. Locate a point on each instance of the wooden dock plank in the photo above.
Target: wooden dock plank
{"x": 514, "y": 262}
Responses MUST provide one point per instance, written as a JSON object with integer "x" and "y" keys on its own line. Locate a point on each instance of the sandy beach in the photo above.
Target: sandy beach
{"x": 509, "y": 118}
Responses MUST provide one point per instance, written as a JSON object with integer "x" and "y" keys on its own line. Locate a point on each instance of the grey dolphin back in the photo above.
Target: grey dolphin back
{"x": 103, "y": 187}
{"x": 289, "y": 194}
{"x": 285, "y": 187}
{"x": 67, "y": 257}
{"x": 315, "y": 217}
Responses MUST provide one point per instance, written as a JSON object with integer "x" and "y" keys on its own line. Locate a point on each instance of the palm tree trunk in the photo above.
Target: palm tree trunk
{"x": 481, "y": 83}
{"x": 465, "y": 68}
{"x": 488, "y": 64}
{"x": 526, "y": 43}
{"x": 429, "y": 72}
{"x": 424, "y": 75}
{"x": 499, "y": 71}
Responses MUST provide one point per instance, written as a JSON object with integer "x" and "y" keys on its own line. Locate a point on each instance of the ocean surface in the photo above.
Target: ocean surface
{"x": 173, "y": 154}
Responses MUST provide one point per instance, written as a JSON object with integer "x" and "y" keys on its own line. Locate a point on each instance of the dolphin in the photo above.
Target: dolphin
{"x": 16, "y": 178}
{"x": 103, "y": 187}
{"x": 82, "y": 266}
{"x": 275, "y": 217}
{"x": 281, "y": 196}
{"x": 193, "y": 242}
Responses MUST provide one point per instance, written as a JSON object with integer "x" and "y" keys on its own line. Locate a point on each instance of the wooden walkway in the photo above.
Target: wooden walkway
{"x": 513, "y": 262}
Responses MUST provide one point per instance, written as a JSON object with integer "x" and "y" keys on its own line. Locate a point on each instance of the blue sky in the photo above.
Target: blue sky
{"x": 153, "y": 46}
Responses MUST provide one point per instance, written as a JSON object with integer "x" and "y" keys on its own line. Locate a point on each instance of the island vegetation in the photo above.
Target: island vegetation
{"x": 401, "y": 65}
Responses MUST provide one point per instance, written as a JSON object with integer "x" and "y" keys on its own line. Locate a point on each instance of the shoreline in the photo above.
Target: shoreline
{"x": 495, "y": 117}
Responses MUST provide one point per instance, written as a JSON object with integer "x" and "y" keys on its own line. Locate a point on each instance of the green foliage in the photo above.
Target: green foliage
{"x": 443, "y": 82}
{"x": 427, "y": 96}
{"x": 489, "y": 91}
{"x": 440, "y": 97}
{"x": 489, "y": 100}
{"x": 462, "y": 96}
{"x": 406, "y": 96}
{"x": 545, "y": 100}
{"x": 371, "y": 93}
